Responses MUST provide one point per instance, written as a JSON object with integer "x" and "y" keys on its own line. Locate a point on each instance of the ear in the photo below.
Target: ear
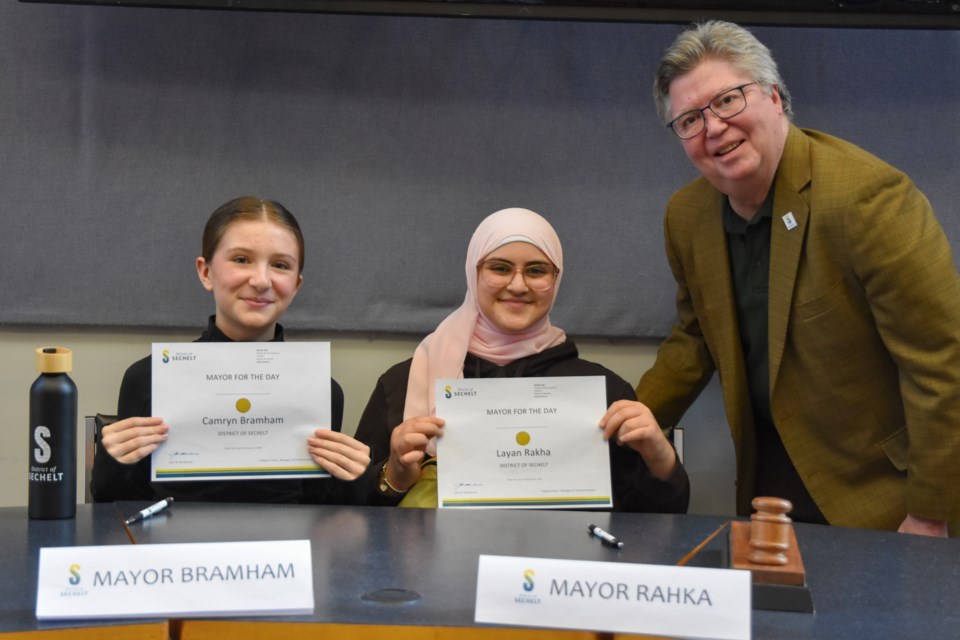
{"x": 203, "y": 272}
{"x": 299, "y": 282}
{"x": 775, "y": 96}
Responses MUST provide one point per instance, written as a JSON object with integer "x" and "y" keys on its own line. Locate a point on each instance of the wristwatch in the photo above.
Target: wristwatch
{"x": 384, "y": 486}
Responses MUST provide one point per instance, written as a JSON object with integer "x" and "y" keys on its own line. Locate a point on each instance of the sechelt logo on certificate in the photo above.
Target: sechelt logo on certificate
{"x": 239, "y": 410}
{"x": 523, "y": 442}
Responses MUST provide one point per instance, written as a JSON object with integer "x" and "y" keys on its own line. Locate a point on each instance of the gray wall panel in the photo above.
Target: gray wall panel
{"x": 390, "y": 138}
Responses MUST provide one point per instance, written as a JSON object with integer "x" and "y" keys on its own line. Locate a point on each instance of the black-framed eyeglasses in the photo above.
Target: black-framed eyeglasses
{"x": 539, "y": 276}
{"x": 726, "y": 105}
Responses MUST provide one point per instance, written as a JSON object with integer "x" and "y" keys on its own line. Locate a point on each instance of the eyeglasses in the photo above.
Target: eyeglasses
{"x": 726, "y": 105}
{"x": 539, "y": 276}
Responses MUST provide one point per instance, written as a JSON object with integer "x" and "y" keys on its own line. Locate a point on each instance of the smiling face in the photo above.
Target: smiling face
{"x": 515, "y": 307}
{"x": 739, "y": 155}
{"x": 254, "y": 274}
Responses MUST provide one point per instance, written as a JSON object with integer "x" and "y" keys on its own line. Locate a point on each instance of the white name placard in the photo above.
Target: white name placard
{"x": 183, "y": 580}
{"x": 690, "y": 602}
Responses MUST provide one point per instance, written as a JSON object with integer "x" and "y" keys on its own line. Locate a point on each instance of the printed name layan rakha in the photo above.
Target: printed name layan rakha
{"x": 240, "y": 421}
{"x": 535, "y": 452}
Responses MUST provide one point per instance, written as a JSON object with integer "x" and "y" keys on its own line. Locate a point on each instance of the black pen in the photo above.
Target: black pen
{"x": 606, "y": 538}
{"x": 149, "y": 511}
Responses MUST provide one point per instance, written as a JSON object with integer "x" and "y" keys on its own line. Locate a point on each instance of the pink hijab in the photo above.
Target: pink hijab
{"x": 441, "y": 354}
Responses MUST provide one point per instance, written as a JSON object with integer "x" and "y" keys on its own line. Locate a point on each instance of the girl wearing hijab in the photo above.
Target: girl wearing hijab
{"x": 252, "y": 263}
{"x": 514, "y": 267}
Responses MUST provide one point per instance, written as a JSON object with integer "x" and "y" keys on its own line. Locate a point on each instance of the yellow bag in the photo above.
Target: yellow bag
{"x": 423, "y": 494}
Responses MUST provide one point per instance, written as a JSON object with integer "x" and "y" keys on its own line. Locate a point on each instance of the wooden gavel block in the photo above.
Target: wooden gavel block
{"x": 767, "y": 545}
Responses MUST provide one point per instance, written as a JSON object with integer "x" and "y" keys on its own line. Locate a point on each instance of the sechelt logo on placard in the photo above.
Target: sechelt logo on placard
{"x": 74, "y": 586}
{"x": 529, "y": 586}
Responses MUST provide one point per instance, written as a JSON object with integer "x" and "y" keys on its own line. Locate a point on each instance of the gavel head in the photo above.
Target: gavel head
{"x": 770, "y": 530}
{"x": 772, "y": 506}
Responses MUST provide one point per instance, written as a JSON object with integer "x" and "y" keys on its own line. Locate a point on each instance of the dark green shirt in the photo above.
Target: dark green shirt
{"x": 749, "y": 246}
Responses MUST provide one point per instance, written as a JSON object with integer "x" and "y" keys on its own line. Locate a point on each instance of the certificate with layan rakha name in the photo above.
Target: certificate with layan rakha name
{"x": 523, "y": 442}
{"x": 239, "y": 410}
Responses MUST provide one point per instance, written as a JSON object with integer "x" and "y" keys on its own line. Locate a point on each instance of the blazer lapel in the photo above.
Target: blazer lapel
{"x": 720, "y": 326}
{"x": 713, "y": 271}
{"x": 722, "y": 332}
{"x": 788, "y": 232}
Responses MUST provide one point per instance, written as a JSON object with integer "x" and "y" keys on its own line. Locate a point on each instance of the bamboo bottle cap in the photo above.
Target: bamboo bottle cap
{"x": 54, "y": 360}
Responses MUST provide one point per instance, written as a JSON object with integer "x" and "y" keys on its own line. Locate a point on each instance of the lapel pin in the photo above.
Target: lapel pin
{"x": 789, "y": 221}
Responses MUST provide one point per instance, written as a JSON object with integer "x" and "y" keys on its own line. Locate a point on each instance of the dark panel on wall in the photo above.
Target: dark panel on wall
{"x": 390, "y": 138}
{"x": 930, "y": 14}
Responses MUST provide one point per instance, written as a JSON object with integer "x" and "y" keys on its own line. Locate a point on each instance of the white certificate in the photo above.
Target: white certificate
{"x": 239, "y": 410}
{"x": 523, "y": 442}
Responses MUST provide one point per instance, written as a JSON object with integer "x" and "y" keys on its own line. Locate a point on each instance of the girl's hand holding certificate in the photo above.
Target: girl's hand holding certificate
{"x": 633, "y": 424}
{"x": 340, "y": 455}
{"x": 408, "y": 448}
{"x": 133, "y": 439}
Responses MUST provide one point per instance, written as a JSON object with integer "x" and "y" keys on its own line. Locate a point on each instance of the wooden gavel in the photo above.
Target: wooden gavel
{"x": 770, "y": 531}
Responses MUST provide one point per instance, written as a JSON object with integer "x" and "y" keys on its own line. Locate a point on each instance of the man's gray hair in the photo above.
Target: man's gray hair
{"x": 717, "y": 40}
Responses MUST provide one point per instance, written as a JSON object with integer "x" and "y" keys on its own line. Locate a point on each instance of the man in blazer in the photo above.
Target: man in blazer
{"x": 815, "y": 279}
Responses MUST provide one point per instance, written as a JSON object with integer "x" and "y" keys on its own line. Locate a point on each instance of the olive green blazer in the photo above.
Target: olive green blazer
{"x": 864, "y": 323}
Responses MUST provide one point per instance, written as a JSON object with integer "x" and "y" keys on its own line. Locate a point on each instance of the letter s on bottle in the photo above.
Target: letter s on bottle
{"x": 42, "y": 452}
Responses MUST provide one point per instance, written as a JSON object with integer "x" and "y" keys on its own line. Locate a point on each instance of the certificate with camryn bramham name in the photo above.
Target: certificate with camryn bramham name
{"x": 239, "y": 410}
{"x": 523, "y": 442}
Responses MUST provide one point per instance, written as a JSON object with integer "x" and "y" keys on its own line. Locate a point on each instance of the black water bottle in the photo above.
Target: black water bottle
{"x": 53, "y": 437}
